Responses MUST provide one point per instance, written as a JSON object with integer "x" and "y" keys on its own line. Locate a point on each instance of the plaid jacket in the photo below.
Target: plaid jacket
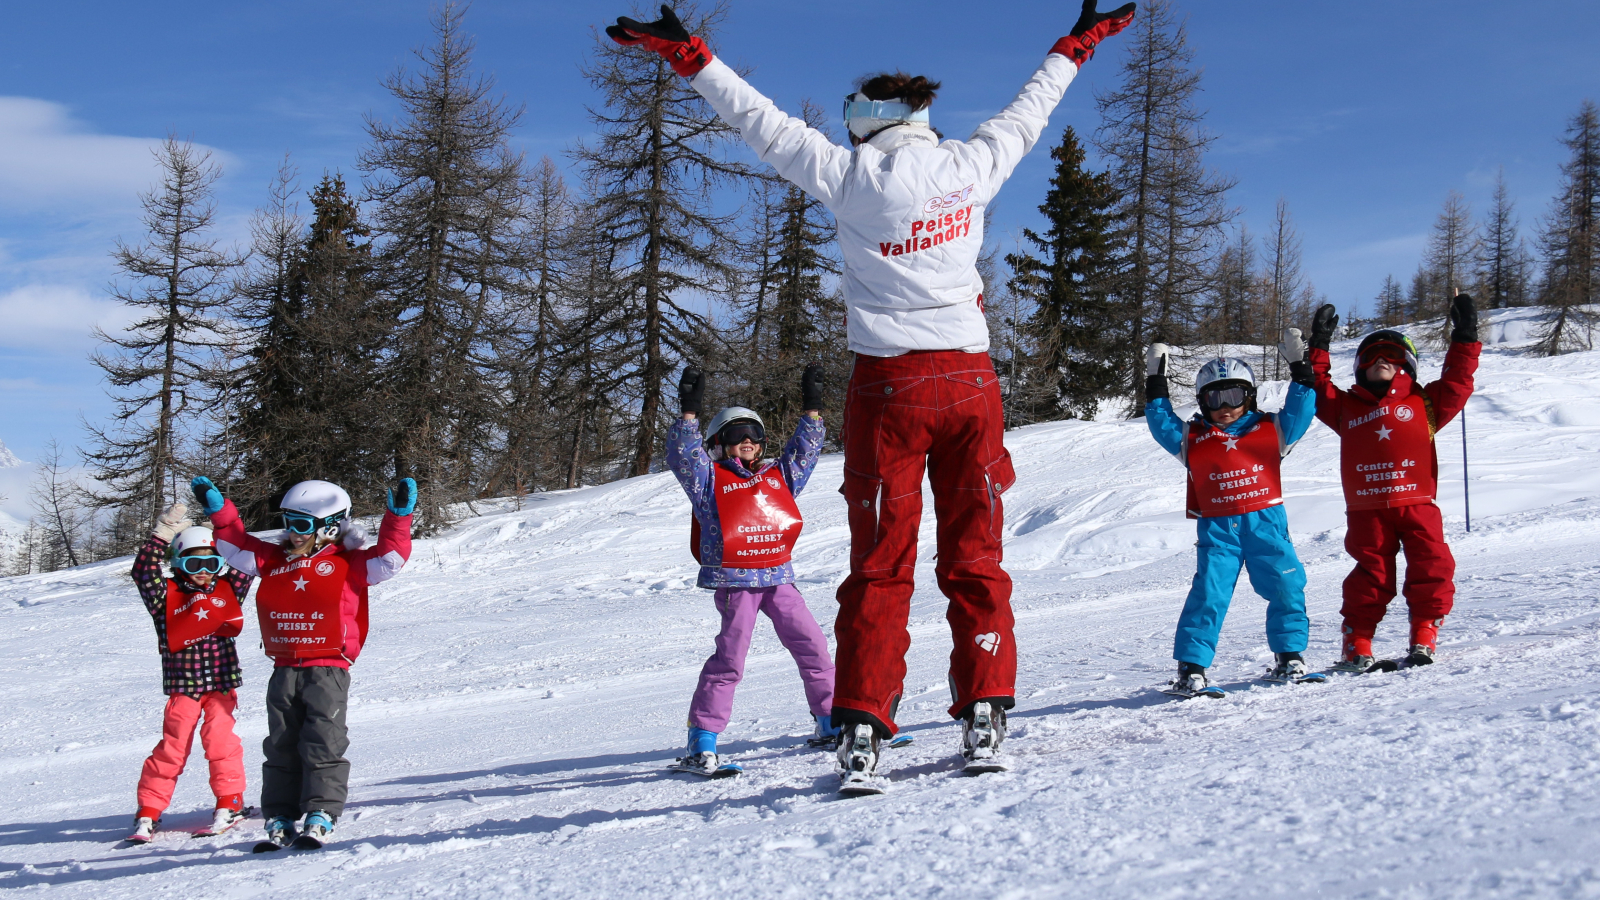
{"x": 210, "y": 665}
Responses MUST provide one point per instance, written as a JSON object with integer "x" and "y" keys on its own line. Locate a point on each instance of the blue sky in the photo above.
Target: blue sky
{"x": 1362, "y": 115}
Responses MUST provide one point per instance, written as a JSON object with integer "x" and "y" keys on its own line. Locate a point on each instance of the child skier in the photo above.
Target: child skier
{"x": 312, "y": 607}
{"x": 746, "y": 525}
{"x": 1232, "y": 451}
{"x": 1390, "y": 470}
{"x": 197, "y": 616}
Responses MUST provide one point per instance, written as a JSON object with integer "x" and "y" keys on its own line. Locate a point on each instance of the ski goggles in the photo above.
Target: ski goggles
{"x": 1394, "y": 353}
{"x": 304, "y": 523}
{"x": 195, "y": 565}
{"x": 1223, "y": 398}
{"x": 891, "y": 110}
{"x": 739, "y": 432}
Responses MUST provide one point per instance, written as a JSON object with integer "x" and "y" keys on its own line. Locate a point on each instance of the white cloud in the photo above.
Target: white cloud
{"x": 57, "y": 317}
{"x": 47, "y": 157}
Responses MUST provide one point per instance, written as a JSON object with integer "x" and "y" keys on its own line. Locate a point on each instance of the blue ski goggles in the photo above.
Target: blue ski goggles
{"x": 896, "y": 110}
{"x": 195, "y": 565}
{"x": 304, "y": 523}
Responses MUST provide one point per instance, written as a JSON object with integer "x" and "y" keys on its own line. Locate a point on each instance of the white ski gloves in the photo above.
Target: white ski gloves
{"x": 1293, "y": 346}
{"x": 174, "y": 520}
{"x": 352, "y": 534}
{"x": 1155, "y": 359}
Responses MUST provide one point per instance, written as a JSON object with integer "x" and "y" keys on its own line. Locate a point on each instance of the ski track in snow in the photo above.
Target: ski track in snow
{"x": 527, "y": 677}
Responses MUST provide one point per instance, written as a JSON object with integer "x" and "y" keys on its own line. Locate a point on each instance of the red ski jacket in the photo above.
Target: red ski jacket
{"x": 1387, "y": 456}
{"x": 372, "y": 565}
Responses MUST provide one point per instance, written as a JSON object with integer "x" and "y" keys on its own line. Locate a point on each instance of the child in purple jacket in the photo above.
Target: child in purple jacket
{"x": 746, "y": 523}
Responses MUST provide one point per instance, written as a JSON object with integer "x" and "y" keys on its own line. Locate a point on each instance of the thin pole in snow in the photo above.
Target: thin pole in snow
{"x": 1466, "y": 486}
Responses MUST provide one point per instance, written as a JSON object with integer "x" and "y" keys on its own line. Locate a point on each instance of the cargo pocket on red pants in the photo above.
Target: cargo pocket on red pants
{"x": 861, "y": 495}
{"x": 998, "y": 477}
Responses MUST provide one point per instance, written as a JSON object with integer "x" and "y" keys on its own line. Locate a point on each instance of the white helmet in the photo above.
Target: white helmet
{"x": 725, "y": 418}
{"x": 316, "y": 498}
{"x": 863, "y": 116}
{"x": 1224, "y": 368}
{"x": 193, "y": 538}
{"x": 324, "y": 502}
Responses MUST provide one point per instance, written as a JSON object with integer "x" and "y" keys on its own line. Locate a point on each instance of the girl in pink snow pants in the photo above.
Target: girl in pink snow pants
{"x": 746, "y": 523}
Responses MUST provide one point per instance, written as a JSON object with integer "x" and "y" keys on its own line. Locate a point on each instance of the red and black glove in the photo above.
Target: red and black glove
{"x": 683, "y": 51}
{"x": 1092, "y": 28}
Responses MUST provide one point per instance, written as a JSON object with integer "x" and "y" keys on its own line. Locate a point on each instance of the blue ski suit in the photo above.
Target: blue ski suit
{"x": 1257, "y": 541}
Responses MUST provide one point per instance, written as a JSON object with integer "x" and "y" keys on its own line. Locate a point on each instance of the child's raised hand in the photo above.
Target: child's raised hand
{"x": 174, "y": 520}
{"x": 691, "y": 390}
{"x": 1323, "y": 325}
{"x": 811, "y": 387}
{"x": 1155, "y": 359}
{"x": 1463, "y": 320}
{"x": 206, "y": 493}
{"x": 1293, "y": 347}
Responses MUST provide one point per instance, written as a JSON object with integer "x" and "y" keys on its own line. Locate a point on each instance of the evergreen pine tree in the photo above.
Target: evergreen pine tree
{"x": 1570, "y": 239}
{"x": 1074, "y": 360}
{"x": 1503, "y": 256}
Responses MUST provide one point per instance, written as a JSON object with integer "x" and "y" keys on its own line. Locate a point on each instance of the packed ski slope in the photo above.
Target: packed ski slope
{"x": 527, "y": 679}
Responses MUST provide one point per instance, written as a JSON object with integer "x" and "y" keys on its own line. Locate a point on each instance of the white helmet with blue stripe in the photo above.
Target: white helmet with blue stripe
{"x": 1224, "y": 368}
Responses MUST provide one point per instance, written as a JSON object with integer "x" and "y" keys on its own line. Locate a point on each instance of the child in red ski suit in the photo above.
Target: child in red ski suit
{"x": 746, "y": 523}
{"x": 196, "y": 616}
{"x": 1390, "y": 469}
{"x": 312, "y": 607}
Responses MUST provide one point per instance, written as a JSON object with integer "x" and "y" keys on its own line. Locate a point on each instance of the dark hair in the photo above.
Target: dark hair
{"x": 916, "y": 90}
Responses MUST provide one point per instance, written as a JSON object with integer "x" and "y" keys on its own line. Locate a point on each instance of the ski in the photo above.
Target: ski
{"x": 726, "y": 770}
{"x": 866, "y": 787}
{"x": 140, "y": 836}
{"x": 226, "y": 825}
{"x": 306, "y": 842}
{"x": 267, "y": 847}
{"x": 135, "y": 840}
{"x": 1308, "y": 678}
{"x": 985, "y": 767}
{"x": 1182, "y": 693}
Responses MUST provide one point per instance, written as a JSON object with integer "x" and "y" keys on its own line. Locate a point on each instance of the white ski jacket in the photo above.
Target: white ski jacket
{"x": 909, "y": 208}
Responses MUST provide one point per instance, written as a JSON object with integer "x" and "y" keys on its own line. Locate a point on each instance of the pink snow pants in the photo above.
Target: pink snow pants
{"x": 213, "y": 712}
{"x": 797, "y": 630}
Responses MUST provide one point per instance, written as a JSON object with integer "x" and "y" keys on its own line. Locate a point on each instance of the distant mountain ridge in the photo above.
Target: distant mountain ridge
{"x": 8, "y": 460}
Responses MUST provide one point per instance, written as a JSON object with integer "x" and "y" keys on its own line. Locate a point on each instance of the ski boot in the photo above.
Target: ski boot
{"x": 858, "y": 761}
{"x": 230, "y": 811}
{"x": 1424, "y": 638}
{"x": 1291, "y": 668}
{"x": 826, "y": 735}
{"x": 1192, "y": 682}
{"x": 700, "y": 757}
{"x": 144, "y": 826}
{"x": 280, "y": 834}
{"x": 318, "y": 829}
{"x": 1355, "y": 656}
{"x": 983, "y": 730}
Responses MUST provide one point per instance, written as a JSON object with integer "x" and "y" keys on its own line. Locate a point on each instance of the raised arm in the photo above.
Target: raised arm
{"x": 1159, "y": 416}
{"x": 1300, "y": 406}
{"x": 244, "y": 551}
{"x": 1328, "y": 395}
{"x": 1450, "y": 393}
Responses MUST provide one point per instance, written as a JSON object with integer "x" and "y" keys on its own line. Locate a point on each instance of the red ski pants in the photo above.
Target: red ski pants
{"x": 940, "y": 412}
{"x": 1374, "y": 540}
{"x": 213, "y": 712}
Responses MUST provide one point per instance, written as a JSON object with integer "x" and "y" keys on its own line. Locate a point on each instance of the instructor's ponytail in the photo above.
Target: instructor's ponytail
{"x": 916, "y": 90}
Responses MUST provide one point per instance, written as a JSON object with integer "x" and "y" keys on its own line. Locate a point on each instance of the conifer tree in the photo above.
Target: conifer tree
{"x": 1503, "y": 256}
{"x": 1389, "y": 309}
{"x": 1171, "y": 207}
{"x": 651, "y": 172}
{"x": 1449, "y": 261}
{"x": 448, "y": 199}
{"x": 160, "y": 368}
{"x": 1073, "y": 357}
{"x": 1570, "y": 239}
{"x": 1233, "y": 312}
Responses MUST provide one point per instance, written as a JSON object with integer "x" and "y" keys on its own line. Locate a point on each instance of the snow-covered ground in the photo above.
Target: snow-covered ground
{"x": 528, "y": 676}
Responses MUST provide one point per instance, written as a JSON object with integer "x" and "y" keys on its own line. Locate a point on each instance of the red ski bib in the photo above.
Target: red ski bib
{"x": 1386, "y": 453}
{"x": 194, "y": 617}
{"x": 298, "y": 607}
{"x": 760, "y": 521}
{"x": 1230, "y": 475}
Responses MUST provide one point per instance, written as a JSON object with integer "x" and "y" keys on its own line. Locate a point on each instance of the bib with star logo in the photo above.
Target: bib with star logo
{"x": 759, "y": 519}
{"x": 192, "y": 617}
{"x": 298, "y": 607}
{"x": 1386, "y": 452}
{"x": 1232, "y": 474}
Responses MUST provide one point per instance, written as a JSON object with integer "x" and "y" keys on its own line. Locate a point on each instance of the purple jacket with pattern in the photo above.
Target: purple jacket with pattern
{"x": 688, "y": 461}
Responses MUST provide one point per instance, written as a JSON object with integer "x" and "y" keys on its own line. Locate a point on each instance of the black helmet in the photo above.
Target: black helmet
{"x": 1392, "y": 340}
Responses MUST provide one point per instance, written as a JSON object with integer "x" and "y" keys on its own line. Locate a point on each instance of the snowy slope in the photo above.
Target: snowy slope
{"x": 528, "y": 676}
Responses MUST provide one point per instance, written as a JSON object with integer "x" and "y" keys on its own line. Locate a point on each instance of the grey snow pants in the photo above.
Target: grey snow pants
{"x": 305, "y": 768}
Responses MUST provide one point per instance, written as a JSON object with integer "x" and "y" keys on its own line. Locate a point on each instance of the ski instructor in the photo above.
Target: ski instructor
{"x": 923, "y": 393}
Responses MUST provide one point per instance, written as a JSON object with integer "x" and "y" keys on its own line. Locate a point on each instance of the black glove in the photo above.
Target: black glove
{"x": 1300, "y": 373}
{"x": 811, "y": 387}
{"x": 666, "y": 28}
{"x": 1155, "y": 370}
{"x": 691, "y": 390}
{"x": 1323, "y": 324}
{"x": 1088, "y": 19}
{"x": 1463, "y": 320}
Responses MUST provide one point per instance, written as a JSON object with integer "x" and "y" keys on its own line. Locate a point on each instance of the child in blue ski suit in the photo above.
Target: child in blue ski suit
{"x": 1232, "y": 451}
{"x": 746, "y": 522}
